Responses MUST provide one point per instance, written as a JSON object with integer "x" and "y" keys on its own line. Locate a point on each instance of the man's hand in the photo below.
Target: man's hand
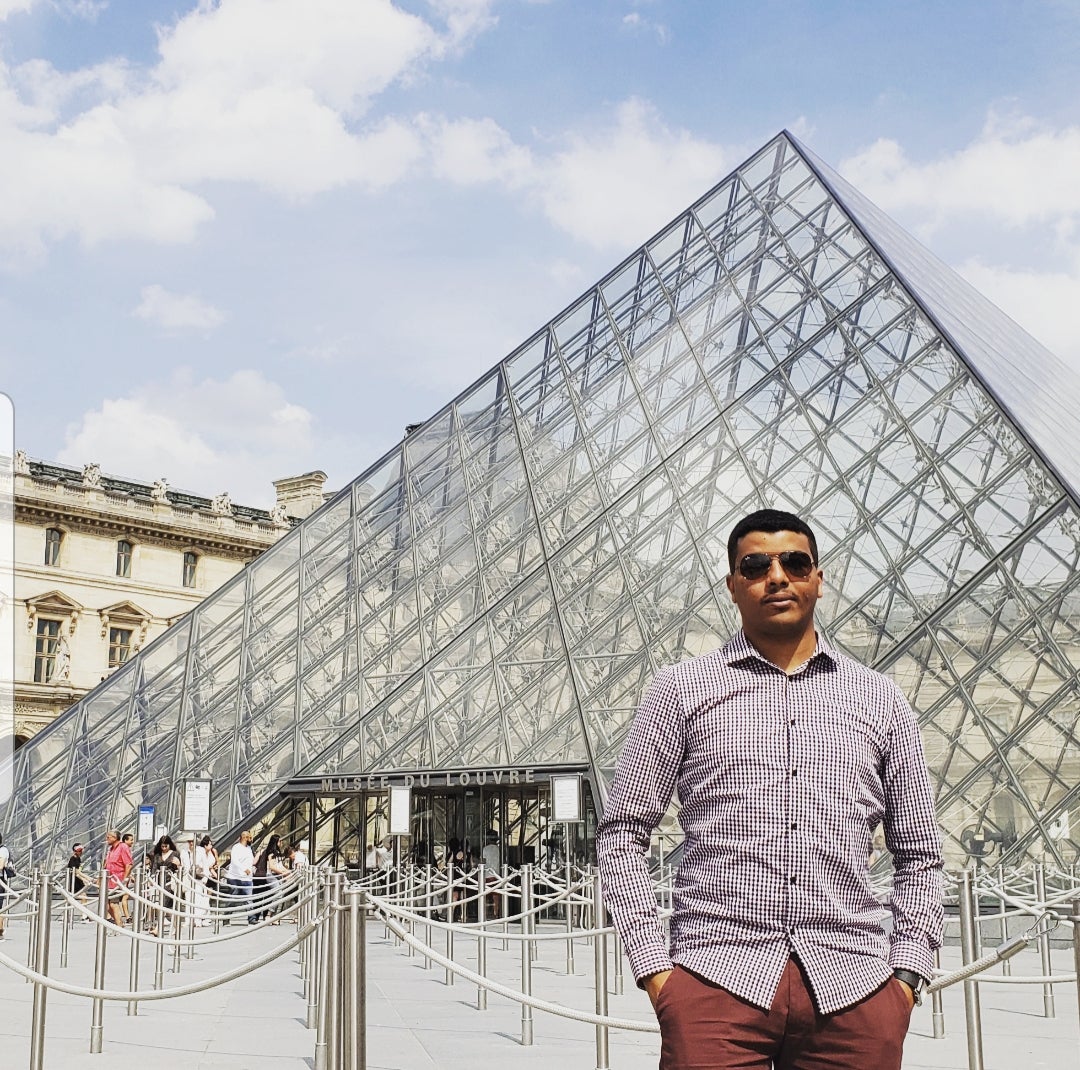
{"x": 909, "y": 992}
{"x": 654, "y": 983}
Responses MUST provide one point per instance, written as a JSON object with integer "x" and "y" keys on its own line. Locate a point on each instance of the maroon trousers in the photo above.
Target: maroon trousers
{"x": 705, "y": 1027}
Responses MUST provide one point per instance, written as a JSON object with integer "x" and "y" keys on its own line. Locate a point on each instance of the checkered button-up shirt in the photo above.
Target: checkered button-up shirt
{"x": 782, "y": 780}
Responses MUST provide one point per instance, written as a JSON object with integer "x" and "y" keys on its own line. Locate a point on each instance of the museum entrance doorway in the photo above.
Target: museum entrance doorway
{"x": 342, "y": 818}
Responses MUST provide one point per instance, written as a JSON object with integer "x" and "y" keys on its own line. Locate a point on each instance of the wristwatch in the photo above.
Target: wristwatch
{"x": 914, "y": 981}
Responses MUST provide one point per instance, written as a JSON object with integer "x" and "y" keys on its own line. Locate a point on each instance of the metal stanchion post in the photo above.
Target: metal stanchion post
{"x": 1044, "y": 942}
{"x": 937, "y": 1004}
{"x": 136, "y": 943}
{"x": 65, "y": 918}
{"x": 569, "y": 919}
{"x": 314, "y": 951}
{"x": 616, "y": 946}
{"x": 41, "y": 964}
{"x": 98, "y": 1005}
{"x": 1075, "y": 919}
{"x": 972, "y": 1011}
{"x": 159, "y": 934}
{"x": 36, "y": 877}
{"x": 526, "y": 954}
{"x": 322, "y": 1061}
{"x": 1006, "y": 964}
{"x": 189, "y": 913}
{"x": 409, "y": 892}
{"x": 481, "y": 935}
{"x": 332, "y": 1011}
{"x": 177, "y": 925}
{"x": 355, "y": 986}
{"x": 505, "y": 894}
{"x": 429, "y": 906}
{"x": 450, "y": 920}
{"x": 600, "y": 966}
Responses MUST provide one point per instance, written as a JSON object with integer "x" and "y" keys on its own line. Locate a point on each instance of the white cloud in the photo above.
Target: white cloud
{"x": 610, "y": 187}
{"x": 468, "y": 151}
{"x": 193, "y": 431}
{"x": 1013, "y": 189}
{"x": 1043, "y": 303}
{"x": 176, "y": 311}
{"x": 1013, "y": 175}
{"x": 266, "y": 92}
{"x": 11, "y": 7}
{"x": 638, "y": 23}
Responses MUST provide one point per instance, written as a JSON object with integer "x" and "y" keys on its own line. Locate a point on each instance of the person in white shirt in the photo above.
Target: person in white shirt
{"x": 5, "y": 861}
{"x": 300, "y": 858}
{"x": 240, "y": 873}
{"x": 492, "y": 856}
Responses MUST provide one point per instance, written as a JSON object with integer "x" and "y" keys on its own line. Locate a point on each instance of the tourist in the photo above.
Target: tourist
{"x": 240, "y": 873}
{"x": 786, "y": 755}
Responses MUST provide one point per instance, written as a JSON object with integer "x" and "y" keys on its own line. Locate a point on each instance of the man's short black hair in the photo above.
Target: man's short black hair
{"x": 768, "y": 520}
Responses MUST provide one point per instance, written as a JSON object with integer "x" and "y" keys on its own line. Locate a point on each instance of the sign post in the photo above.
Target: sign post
{"x": 400, "y": 818}
{"x": 566, "y": 805}
{"x": 145, "y": 831}
{"x": 195, "y": 812}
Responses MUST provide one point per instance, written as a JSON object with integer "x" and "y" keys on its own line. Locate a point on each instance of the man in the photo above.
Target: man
{"x": 786, "y": 755}
{"x": 240, "y": 875}
{"x": 117, "y": 871}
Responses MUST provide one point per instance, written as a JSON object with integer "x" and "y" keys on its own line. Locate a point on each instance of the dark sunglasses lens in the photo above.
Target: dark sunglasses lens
{"x": 754, "y": 566}
{"x": 796, "y": 563}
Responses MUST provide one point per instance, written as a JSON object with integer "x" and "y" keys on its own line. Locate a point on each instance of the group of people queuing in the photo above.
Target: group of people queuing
{"x": 257, "y": 880}
{"x": 187, "y": 879}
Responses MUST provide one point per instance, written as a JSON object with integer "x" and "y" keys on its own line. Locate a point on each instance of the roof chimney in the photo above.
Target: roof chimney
{"x": 300, "y": 496}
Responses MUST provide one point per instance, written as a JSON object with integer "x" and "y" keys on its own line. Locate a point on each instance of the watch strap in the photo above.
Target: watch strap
{"x": 916, "y": 982}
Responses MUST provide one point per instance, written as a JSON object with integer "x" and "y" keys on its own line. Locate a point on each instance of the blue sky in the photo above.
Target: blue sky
{"x": 244, "y": 239}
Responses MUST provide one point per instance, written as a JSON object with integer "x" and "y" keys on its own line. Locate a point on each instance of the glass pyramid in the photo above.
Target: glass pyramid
{"x": 500, "y": 587}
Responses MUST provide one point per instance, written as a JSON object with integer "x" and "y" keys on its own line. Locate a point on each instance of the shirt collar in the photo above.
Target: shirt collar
{"x": 739, "y": 649}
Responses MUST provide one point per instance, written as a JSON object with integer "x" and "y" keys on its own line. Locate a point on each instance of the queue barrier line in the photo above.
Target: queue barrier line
{"x": 163, "y": 993}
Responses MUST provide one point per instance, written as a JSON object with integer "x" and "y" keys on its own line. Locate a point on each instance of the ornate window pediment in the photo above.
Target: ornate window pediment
{"x": 53, "y": 604}
{"x": 125, "y": 615}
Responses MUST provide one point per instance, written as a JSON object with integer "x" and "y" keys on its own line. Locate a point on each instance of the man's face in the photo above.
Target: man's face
{"x": 778, "y": 605}
{"x": 110, "y": 839}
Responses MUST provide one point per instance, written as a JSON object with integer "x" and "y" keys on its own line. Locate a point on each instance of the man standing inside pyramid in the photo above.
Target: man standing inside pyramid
{"x": 786, "y": 755}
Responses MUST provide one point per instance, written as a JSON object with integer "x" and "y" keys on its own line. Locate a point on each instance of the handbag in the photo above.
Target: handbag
{"x": 200, "y": 873}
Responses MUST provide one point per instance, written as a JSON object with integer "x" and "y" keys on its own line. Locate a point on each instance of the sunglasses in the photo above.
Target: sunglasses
{"x": 796, "y": 563}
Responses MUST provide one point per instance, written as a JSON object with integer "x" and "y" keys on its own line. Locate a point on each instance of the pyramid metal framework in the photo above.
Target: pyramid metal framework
{"x": 500, "y": 587}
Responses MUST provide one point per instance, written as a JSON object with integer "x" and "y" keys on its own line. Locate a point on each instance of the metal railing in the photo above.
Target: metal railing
{"x": 332, "y": 917}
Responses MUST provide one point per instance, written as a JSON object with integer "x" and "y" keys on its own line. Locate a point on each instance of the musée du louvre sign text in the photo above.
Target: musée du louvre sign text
{"x": 464, "y": 778}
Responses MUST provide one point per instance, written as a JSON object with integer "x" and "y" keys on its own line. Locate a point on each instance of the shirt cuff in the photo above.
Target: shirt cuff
{"x": 647, "y": 960}
{"x": 911, "y": 955}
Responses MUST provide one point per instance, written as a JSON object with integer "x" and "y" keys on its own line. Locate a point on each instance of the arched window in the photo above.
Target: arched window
{"x": 53, "y": 538}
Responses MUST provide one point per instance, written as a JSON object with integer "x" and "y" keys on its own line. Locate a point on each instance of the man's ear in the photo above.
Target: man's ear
{"x": 730, "y": 581}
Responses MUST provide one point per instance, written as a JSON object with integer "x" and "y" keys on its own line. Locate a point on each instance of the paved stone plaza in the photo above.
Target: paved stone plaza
{"x": 416, "y": 1021}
